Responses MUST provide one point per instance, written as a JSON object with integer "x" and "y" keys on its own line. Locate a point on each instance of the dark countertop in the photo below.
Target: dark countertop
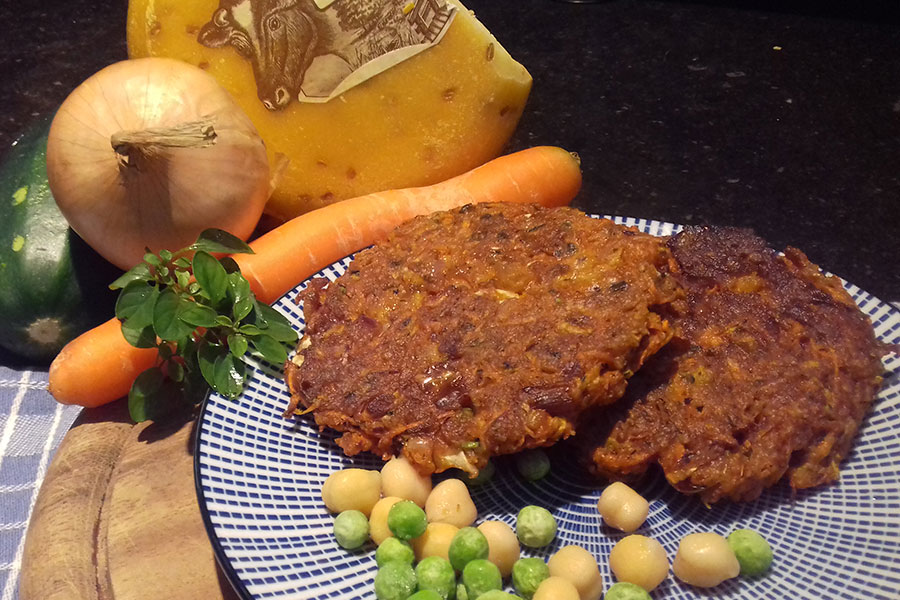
{"x": 786, "y": 122}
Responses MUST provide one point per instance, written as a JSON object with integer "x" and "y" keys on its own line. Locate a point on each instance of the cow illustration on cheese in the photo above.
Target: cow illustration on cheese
{"x": 314, "y": 50}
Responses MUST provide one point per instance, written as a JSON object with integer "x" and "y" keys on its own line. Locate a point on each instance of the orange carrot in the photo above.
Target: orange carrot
{"x": 99, "y": 366}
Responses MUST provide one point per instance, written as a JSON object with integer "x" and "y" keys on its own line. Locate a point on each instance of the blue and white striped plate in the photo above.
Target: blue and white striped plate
{"x": 259, "y": 477}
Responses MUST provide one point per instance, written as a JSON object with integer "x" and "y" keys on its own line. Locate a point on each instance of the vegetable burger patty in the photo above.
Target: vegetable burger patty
{"x": 770, "y": 374}
{"x": 481, "y": 331}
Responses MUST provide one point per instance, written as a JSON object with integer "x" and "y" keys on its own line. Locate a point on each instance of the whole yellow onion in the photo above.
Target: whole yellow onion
{"x": 147, "y": 153}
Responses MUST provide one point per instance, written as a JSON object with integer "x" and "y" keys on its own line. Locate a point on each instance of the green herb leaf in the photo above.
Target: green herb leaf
{"x": 283, "y": 332}
{"x": 276, "y": 324}
{"x": 216, "y": 240}
{"x": 175, "y": 371}
{"x": 270, "y": 348}
{"x": 242, "y": 297}
{"x": 197, "y": 315}
{"x": 165, "y": 351}
{"x": 138, "y": 302}
{"x": 183, "y": 278}
{"x": 211, "y": 276}
{"x": 144, "y": 391}
{"x": 140, "y": 272}
{"x": 250, "y": 329}
{"x": 137, "y": 336}
{"x": 207, "y": 356}
{"x": 224, "y": 321}
{"x": 186, "y": 347}
{"x": 257, "y": 317}
{"x": 134, "y": 297}
{"x": 166, "y": 322}
{"x": 193, "y": 386}
{"x": 205, "y": 313}
{"x": 230, "y": 265}
{"x": 237, "y": 344}
{"x": 229, "y": 376}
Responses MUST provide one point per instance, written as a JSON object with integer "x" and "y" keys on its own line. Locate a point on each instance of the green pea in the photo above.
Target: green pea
{"x": 467, "y": 544}
{"x": 481, "y": 576}
{"x": 351, "y": 529}
{"x": 752, "y": 550}
{"x": 626, "y": 591}
{"x": 406, "y": 520}
{"x": 394, "y": 549}
{"x": 485, "y": 474}
{"x": 527, "y": 575}
{"x": 498, "y": 595}
{"x": 436, "y": 574}
{"x": 395, "y": 580}
{"x": 533, "y": 464}
{"x": 426, "y": 595}
{"x": 535, "y": 526}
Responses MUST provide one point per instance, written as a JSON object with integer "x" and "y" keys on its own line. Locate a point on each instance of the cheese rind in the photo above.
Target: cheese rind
{"x": 442, "y": 112}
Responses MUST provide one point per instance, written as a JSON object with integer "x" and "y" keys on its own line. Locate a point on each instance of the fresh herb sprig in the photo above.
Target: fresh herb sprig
{"x": 199, "y": 313}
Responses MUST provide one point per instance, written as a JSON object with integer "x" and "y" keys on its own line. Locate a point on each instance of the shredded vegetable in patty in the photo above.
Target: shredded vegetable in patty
{"x": 770, "y": 374}
{"x": 481, "y": 331}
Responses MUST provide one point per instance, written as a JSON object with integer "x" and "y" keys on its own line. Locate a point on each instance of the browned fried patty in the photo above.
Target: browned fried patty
{"x": 770, "y": 375}
{"x": 480, "y": 331}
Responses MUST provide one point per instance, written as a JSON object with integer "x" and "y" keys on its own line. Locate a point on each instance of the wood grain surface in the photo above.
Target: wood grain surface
{"x": 117, "y": 517}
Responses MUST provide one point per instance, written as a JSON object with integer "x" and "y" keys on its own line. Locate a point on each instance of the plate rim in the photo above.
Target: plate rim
{"x": 237, "y": 584}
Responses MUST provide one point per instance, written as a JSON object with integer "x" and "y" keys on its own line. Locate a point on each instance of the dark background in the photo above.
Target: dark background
{"x": 681, "y": 112}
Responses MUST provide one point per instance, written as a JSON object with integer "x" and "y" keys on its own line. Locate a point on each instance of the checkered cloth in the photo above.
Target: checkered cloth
{"x": 32, "y": 425}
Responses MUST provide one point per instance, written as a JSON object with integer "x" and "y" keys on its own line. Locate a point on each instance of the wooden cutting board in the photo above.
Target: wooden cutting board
{"x": 117, "y": 517}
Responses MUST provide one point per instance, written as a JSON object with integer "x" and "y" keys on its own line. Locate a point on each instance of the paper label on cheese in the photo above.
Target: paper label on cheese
{"x": 315, "y": 50}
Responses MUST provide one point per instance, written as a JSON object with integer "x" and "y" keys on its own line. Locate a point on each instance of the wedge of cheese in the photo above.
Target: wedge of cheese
{"x": 434, "y": 115}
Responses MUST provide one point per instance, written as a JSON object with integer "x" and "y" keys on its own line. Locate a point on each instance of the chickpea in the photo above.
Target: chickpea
{"x": 378, "y": 527}
{"x": 399, "y": 478}
{"x": 579, "y": 566}
{"x": 622, "y": 507}
{"x": 705, "y": 560}
{"x": 352, "y": 489}
{"x": 450, "y": 502}
{"x": 503, "y": 545}
{"x": 639, "y": 560}
{"x": 435, "y": 541}
{"x": 556, "y": 588}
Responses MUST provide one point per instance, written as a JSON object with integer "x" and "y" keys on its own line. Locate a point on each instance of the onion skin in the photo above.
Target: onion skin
{"x": 168, "y": 197}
